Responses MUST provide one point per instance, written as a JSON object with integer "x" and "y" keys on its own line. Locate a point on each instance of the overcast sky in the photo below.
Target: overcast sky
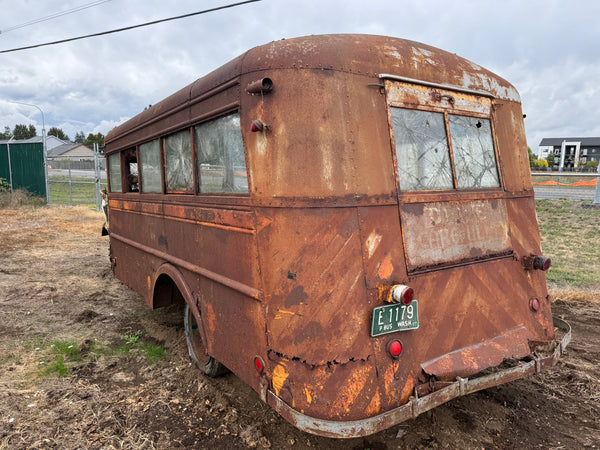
{"x": 549, "y": 50}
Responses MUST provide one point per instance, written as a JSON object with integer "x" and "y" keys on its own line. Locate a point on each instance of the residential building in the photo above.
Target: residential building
{"x": 570, "y": 152}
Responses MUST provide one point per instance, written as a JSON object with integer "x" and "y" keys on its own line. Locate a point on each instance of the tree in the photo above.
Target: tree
{"x": 58, "y": 133}
{"x": 551, "y": 160}
{"x": 92, "y": 139}
{"x": 80, "y": 137}
{"x": 531, "y": 157}
{"x": 24, "y": 132}
{"x": 7, "y": 134}
{"x": 541, "y": 163}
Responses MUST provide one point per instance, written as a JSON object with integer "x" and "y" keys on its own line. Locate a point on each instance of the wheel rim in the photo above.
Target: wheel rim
{"x": 196, "y": 347}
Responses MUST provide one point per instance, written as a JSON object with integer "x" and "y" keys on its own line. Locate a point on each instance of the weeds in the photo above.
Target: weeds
{"x": 60, "y": 357}
{"x": 152, "y": 352}
{"x": 63, "y": 356}
{"x": 20, "y": 198}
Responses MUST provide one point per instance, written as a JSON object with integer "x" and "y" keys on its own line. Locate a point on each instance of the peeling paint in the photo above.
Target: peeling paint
{"x": 279, "y": 376}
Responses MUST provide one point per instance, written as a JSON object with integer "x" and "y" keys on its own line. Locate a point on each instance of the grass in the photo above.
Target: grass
{"x": 569, "y": 235}
{"x": 82, "y": 190}
{"x": 59, "y": 357}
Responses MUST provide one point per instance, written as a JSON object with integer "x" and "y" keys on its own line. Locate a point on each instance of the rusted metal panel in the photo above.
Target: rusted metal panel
{"x": 419, "y": 404}
{"x": 414, "y": 95}
{"x": 315, "y": 284}
{"x": 336, "y": 147}
{"x": 445, "y": 233}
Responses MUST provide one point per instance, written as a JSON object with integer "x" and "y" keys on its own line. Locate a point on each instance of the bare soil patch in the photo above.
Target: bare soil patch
{"x": 61, "y": 309}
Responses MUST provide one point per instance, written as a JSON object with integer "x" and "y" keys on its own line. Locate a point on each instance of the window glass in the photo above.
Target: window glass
{"x": 178, "y": 156}
{"x": 221, "y": 160}
{"x": 150, "y": 163}
{"x": 421, "y": 150}
{"x": 114, "y": 167}
{"x": 473, "y": 148}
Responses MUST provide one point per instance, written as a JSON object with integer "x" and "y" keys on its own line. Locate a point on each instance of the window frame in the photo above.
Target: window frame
{"x": 198, "y": 179}
{"x": 396, "y": 97}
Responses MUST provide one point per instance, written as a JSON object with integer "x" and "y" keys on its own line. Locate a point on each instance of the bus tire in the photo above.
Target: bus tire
{"x": 206, "y": 363}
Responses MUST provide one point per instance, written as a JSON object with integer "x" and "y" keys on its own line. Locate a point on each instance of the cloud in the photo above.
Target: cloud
{"x": 546, "y": 49}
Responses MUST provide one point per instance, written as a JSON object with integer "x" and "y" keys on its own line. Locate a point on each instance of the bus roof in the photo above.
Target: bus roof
{"x": 366, "y": 55}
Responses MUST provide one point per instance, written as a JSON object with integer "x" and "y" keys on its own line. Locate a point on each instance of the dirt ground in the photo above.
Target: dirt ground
{"x": 61, "y": 311}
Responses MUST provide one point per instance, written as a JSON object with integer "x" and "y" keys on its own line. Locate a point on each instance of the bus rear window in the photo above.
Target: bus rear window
{"x": 473, "y": 150}
{"x": 423, "y": 151}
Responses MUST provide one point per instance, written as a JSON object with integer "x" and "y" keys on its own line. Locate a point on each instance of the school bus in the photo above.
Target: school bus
{"x": 350, "y": 223}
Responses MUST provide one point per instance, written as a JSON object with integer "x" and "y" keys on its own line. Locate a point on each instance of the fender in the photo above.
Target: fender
{"x": 177, "y": 278}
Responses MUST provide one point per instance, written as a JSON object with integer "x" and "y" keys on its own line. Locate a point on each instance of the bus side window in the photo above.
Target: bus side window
{"x": 150, "y": 166}
{"x": 221, "y": 159}
{"x": 131, "y": 169}
{"x": 179, "y": 165}
{"x": 114, "y": 169}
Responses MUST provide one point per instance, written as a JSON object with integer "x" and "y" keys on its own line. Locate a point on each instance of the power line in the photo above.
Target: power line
{"x": 55, "y": 15}
{"x": 118, "y": 30}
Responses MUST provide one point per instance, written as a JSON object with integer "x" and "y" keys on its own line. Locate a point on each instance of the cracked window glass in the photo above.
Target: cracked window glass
{"x": 178, "y": 156}
{"x": 473, "y": 148}
{"x": 114, "y": 167}
{"x": 421, "y": 150}
{"x": 150, "y": 163}
{"x": 221, "y": 159}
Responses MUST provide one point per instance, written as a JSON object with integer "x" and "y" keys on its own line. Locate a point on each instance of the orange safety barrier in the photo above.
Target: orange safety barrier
{"x": 577, "y": 183}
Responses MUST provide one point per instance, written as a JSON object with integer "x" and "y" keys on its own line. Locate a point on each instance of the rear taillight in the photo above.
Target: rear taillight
{"x": 541, "y": 263}
{"x": 536, "y": 262}
{"x": 402, "y": 294}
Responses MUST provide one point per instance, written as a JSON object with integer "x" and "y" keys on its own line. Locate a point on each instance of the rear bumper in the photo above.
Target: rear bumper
{"x": 442, "y": 393}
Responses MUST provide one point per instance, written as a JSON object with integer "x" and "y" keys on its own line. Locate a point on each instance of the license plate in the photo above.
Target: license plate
{"x": 395, "y": 317}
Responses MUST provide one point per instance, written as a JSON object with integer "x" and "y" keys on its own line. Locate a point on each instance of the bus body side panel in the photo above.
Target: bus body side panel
{"x": 204, "y": 244}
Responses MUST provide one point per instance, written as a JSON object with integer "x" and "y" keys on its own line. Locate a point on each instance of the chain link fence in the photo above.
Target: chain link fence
{"x": 76, "y": 180}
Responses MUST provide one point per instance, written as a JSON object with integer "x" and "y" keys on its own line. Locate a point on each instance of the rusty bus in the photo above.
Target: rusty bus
{"x": 350, "y": 222}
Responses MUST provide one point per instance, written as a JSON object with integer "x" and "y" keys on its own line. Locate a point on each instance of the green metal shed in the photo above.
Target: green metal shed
{"x": 27, "y": 164}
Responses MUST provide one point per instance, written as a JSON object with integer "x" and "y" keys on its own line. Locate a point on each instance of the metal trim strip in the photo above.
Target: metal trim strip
{"x": 221, "y": 279}
{"x": 449, "y": 87}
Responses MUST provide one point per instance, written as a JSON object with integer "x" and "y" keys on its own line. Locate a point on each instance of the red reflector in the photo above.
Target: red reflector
{"x": 258, "y": 364}
{"x": 257, "y": 125}
{"x": 534, "y": 304}
{"x": 395, "y": 348}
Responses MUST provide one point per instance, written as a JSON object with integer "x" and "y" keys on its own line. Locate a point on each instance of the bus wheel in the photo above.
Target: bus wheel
{"x": 207, "y": 364}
